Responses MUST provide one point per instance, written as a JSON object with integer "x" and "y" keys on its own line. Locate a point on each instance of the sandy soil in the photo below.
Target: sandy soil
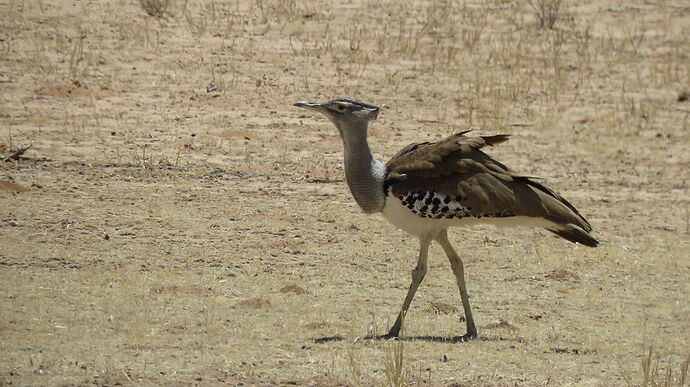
{"x": 160, "y": 233}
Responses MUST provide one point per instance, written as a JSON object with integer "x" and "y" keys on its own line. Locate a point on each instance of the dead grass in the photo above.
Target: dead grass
{"x": 563, "y": 275}
{"x": 155, "y": 8}
{"x": 235, "y": 253}
{"x": 658, "y": 370}
{"x": 546, "y": 11}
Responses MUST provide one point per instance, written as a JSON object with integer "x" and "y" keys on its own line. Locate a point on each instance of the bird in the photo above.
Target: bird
{"x": 428, "y": 187}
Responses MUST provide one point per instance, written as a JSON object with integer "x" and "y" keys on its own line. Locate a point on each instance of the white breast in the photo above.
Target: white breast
{"x": 401, "y": 217}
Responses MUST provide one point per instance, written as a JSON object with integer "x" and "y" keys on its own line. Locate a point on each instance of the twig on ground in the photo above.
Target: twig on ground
{"x": 126, "y": 375}
{"x": 17, "y": 155}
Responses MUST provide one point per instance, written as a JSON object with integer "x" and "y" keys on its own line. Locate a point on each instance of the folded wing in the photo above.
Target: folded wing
{"x": 458, "y": 169}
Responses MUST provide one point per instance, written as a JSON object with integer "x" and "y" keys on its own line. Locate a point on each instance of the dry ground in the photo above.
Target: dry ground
{"x": 157, "y": 233}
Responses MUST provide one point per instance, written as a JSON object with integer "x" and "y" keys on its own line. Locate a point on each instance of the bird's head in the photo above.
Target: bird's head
{"x": 344, "y": 112}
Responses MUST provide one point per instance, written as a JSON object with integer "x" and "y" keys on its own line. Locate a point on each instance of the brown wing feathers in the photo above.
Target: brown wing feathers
{"x": 457, "y": 168}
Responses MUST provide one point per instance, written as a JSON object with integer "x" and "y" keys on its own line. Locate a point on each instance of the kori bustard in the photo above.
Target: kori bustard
{"x": 428, "y": 187}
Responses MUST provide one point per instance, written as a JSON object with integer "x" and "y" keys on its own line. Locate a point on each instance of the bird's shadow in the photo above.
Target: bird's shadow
{"x": 431, "y": 339}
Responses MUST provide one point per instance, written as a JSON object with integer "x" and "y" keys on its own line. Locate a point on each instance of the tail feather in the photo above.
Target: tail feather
{"x": 575, "y": 234}
{"x": 496, "y": 139}
{"x": 573, "y": 216}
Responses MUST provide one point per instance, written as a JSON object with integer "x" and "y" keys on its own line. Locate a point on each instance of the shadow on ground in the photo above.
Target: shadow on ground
{"x": 434, "y": 339}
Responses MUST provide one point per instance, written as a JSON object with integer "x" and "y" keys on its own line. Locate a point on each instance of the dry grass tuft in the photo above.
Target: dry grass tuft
{"x": 397, "y": 374}
{"x": 155, "y": 8}
{"x": 661, "y": 372}
{"x": 546, "y": 11}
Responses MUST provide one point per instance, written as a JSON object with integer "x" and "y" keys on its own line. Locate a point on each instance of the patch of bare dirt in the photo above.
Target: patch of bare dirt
{"x": 316, "y": 325}
{"x": 563, "y": 275}
{"x": 501, "y": 324}
{"x": 12, "y": 187}
{"x": 235, "y": 133}
{"x": 295, "y": 289}
{"x": 255, "y": 303}
{"x": 191, "y": 289}
{"x": 67, "y": 90}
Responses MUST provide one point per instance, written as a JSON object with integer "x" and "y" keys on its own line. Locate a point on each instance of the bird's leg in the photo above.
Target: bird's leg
{"x": 417, "y": 277}
{"x": 457, "y": 267}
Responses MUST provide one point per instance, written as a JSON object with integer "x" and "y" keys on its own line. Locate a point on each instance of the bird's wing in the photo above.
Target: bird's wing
{"x": 457, "y": 168}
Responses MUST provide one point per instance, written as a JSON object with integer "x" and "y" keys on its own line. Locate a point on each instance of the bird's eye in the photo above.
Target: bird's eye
{"x": 341, "y": 108}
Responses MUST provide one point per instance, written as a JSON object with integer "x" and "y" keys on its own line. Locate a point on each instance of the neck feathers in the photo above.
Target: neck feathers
{"x": 364, "y": 174}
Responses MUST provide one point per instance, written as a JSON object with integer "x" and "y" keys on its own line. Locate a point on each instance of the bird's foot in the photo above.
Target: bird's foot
{"x": 388, "y": 336}
{"x": 466, "y": 337}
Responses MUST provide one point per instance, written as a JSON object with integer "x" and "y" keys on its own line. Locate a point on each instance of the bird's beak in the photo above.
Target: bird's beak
{"x": 308, "y": 105}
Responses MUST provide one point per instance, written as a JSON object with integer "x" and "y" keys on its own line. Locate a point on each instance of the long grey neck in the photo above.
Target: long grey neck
{"x": 364, "y": 174}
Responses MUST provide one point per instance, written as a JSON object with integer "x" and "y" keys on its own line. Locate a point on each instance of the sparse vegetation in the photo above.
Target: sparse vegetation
{"x": 155, "y": 8}
{"x": 546, "y": 11}
{"x": 396, "y": 374}
{"x": 158, "y": 233}
{"x": 656, "y": 375}
{"x": 659, "y": 371}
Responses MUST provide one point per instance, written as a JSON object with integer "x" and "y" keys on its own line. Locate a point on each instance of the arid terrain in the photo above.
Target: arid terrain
{"x": 176, "y": 221}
